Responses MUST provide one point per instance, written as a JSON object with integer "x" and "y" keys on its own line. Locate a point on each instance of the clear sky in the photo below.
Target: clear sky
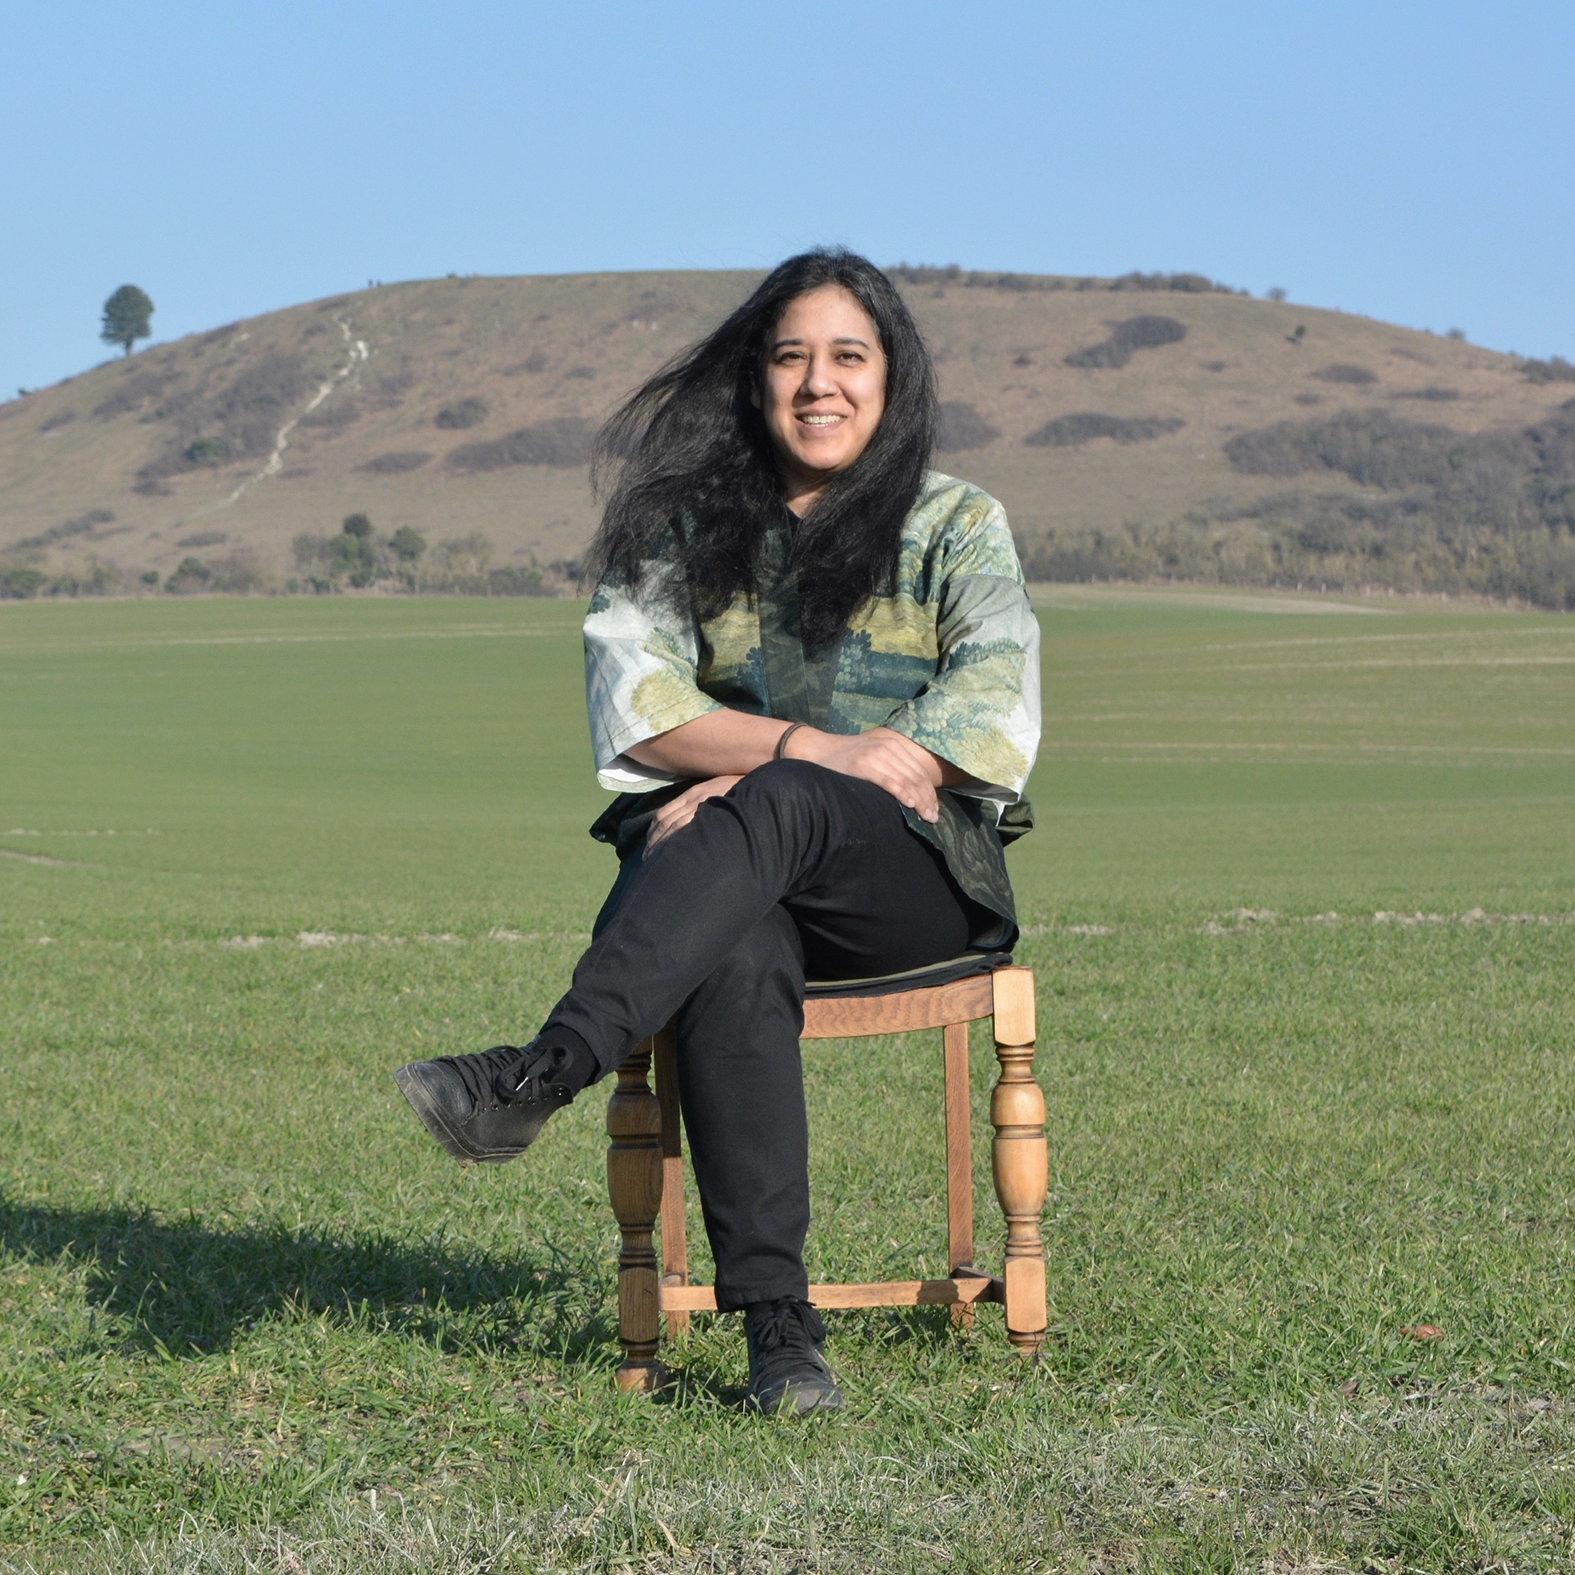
{"x": 1407, "y": 160}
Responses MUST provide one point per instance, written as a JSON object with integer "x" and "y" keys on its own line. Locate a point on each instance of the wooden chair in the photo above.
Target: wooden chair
{"x": 645, "y": 1168}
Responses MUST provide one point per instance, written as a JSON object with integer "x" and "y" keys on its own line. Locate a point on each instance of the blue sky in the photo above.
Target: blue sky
{"x": 1403, "y": 160}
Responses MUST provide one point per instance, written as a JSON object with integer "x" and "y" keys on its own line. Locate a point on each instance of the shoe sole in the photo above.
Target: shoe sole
{"x": 433, "y": 1117}
{"x": 801, "y": 1400}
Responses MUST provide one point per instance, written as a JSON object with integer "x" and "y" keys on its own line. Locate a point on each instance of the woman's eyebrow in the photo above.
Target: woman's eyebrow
{"x": 841, "y": 339}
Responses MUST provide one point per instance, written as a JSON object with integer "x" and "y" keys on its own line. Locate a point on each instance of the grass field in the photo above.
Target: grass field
{"x": 1302, "y": 910}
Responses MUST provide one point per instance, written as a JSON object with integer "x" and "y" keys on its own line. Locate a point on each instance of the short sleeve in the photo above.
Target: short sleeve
{"x": 640, "y": 666}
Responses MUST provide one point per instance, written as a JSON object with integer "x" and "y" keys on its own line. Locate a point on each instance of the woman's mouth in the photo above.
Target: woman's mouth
{"x": 822, "y": 421}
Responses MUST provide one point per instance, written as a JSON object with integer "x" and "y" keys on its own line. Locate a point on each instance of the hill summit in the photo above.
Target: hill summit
{"x": 1142, "y": 427}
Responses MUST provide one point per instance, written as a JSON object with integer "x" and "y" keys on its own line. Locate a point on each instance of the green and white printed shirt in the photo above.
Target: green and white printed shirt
{"x": 950, "y": 659}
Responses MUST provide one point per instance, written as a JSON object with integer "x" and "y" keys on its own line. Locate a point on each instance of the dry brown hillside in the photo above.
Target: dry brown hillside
{"x": 1139, "y": 431}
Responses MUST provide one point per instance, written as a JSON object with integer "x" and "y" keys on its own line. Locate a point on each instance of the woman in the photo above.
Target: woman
{"x": 812, "y": 667}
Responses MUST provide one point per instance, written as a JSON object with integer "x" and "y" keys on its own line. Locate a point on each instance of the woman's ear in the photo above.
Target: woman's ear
{"x": 754, "y": 392}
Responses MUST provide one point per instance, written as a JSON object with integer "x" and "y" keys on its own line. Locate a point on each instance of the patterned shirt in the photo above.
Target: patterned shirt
{"x": 950, "y": 659}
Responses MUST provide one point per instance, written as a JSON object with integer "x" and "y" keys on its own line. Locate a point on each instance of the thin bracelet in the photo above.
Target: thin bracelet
{"x": 787, "y": 733}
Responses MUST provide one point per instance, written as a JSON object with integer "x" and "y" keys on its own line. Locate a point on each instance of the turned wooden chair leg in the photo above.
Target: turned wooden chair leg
{"x": 634, "y": 1181}
{"x": 959, "y": 1165}
{"x": 1021, "y": 1159}
{"x": 675, "y": 1236}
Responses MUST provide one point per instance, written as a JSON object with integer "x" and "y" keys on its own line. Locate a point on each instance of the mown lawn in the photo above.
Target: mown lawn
{"x": 1301, "y": 906}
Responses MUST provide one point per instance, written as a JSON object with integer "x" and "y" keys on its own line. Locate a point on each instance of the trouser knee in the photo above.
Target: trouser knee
{"x": 760, "y": 980}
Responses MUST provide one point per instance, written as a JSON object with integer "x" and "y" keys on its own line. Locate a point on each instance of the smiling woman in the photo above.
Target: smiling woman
{"x": 823, "y": 391}
{"x": 812, "y": 667}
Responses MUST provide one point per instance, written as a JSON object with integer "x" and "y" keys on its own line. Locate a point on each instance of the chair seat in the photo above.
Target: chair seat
{"x": 932, "y": 974}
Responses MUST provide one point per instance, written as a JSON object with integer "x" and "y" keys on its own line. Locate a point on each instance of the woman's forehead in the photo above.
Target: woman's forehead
{"x": 829, "y": 312}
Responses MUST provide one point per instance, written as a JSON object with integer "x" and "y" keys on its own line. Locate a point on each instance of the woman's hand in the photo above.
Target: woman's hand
{"x": 908, "y": 771}
{"x": 677, "y": 813}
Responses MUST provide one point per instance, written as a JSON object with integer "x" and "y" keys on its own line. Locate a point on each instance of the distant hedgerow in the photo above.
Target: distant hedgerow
{"x": 18, "y": 584}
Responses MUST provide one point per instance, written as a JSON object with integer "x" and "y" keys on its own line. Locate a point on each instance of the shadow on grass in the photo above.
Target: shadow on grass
{"x": 184, "y": 1286}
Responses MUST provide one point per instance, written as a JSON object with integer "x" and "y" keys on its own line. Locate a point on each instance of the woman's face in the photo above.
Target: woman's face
{"x": 823, "y": 391}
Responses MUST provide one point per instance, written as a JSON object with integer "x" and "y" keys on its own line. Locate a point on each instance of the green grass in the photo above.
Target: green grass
{"x": 1301, "y": 906}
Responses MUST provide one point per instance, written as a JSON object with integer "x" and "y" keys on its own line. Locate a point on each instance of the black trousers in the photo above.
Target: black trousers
{"x": 797, "y": 872}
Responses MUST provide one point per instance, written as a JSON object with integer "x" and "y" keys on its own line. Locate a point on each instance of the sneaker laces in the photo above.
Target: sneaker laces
{"x": 786, "y": 1330}
{"x": 507, "y": 1074}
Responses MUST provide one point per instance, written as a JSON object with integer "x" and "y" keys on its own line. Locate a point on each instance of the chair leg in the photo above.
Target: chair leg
{"x": 959, "y": 1164}
{"x": 1021, "y": 1159}
{"x": 634, "y": 1182}
{"x": 675, "y": 1236}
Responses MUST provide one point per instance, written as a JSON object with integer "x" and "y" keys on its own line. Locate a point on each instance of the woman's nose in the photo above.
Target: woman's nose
{"x": 817, "y": 376}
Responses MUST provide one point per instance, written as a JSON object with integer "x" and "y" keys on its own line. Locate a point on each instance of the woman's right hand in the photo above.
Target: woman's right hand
{"x": 676, "y": 813}
{"x": 906, "y": 770}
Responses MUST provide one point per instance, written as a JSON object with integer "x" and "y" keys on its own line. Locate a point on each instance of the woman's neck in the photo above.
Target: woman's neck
{"x": 799, "y": 491}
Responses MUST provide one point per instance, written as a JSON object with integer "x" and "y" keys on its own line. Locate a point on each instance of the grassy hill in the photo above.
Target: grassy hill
{"x": 1134, "y": 428}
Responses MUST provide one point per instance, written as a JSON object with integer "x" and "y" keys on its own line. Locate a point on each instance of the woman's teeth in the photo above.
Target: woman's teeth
{"x": 820, "y": 421}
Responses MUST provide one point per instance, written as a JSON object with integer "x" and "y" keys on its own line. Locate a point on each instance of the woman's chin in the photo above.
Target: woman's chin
{"x": 820, "y": 460}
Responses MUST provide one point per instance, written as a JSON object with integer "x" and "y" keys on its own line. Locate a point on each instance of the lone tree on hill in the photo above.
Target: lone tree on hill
{"x": 126, "y": 315}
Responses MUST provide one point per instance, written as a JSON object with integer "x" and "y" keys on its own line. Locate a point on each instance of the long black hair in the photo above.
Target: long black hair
{"x": 688, "y": 452}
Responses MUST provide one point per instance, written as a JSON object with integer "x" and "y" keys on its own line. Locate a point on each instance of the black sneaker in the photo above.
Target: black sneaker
{"x": 787, "y": 1373}
{"x": 486, "y": 1108}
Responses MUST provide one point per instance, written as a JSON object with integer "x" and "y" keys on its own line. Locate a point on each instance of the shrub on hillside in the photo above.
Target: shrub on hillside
{"x": 81, "y": 525}
{"x": 257, "y": 403}
{"x": 961, "y": 427}
{"x": 1554, "y": 370}
{"x": 1136, "y": 333}
{"x": 209, "y": 451}
{"x": 332, "y": 416}
{"x": 462, "y": 414}
{"x": 398, "y": 463}
{"x": 204, "y": 538}
{"x": 562, "y": 442}
{"x": 1184, "y": 283}
{"x": 60, "y": 419}
{"x": 1371, "y": 447}
{"x": 1344, "y": 372}
{"x": 924, "y": 274}
{"x": 1086, "y": 425}
{"x": 133, "y": 391}
{"x": 1433, "y": 393}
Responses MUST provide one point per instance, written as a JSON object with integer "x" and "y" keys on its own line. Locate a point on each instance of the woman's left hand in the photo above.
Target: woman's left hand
{"x": 677, "y": 813}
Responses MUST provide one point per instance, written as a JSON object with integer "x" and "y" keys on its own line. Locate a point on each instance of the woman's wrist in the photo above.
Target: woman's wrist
{"x": 780, "y": 752}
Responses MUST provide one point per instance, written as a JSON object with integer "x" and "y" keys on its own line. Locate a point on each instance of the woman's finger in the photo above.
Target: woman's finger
{"x": 662, "y": 829}
{"x": 897, "y": 775}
